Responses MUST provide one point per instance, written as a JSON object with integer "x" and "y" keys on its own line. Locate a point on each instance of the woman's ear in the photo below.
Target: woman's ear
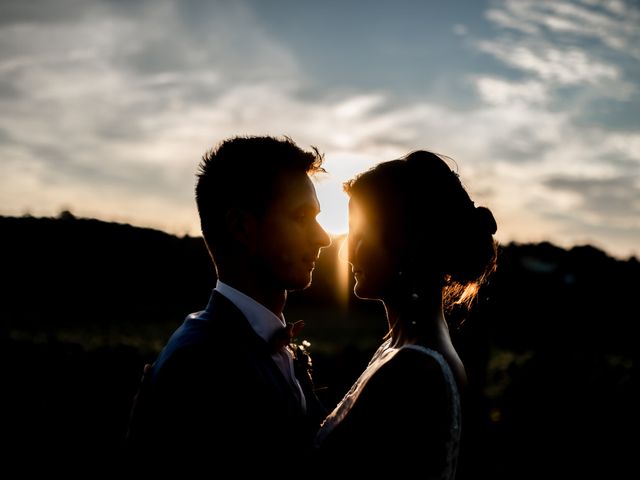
{"x": 242, "y": 227}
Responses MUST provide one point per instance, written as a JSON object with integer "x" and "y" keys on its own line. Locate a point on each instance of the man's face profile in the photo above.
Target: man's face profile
{"x": 289, "y": 237}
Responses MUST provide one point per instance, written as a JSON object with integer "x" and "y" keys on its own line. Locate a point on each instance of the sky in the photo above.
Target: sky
{"x": 106, "y": 106}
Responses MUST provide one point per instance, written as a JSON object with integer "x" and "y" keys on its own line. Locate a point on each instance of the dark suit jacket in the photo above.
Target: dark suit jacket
{"x": 215, "y": 400}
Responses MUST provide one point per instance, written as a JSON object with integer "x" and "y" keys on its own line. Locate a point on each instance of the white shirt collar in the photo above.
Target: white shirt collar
{"x": 261, "y": 319}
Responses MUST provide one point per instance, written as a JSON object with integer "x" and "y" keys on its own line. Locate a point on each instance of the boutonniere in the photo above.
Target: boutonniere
{"x": 300, "y": 349}
{"x": 301, "y": 353}
{"x": 287, "y": 337}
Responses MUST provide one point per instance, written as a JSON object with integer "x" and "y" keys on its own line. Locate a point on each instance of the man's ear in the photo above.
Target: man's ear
{"x": 242, "y": 227}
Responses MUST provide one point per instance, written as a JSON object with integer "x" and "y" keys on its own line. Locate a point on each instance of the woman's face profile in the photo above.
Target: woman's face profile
{"x": 371, "y": 261}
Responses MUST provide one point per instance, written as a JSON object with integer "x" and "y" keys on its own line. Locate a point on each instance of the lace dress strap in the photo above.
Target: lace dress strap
{"x": 453, "y": 442}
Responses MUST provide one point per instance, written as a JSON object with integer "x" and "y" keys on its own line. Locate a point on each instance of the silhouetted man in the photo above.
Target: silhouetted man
{"x": 225, "y": 394}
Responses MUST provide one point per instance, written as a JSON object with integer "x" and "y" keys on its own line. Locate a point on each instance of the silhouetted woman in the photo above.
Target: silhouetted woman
{"x": 419, "y": 244}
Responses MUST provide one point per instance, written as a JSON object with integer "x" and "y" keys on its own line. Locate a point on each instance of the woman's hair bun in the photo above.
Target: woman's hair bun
{"x": 485, "y": 220}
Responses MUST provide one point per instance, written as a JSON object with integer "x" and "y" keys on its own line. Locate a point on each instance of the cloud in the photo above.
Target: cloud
{"x": 83, "y": 82}
{"x": 591, "y": 45}
{"x": 567, "y": 66}
{"x": 614, "y": 23}
{"x": 107, "y": 111}
{"x": 565, "y": 59}
{"x": 499, "y": 91}
{"x": 112, "y": 102}
{"x": 613, "y": 201}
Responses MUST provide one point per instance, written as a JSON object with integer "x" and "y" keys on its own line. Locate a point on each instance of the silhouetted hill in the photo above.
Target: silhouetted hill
{"x": 69, "y": 273}
{"x": 543, "y": 296}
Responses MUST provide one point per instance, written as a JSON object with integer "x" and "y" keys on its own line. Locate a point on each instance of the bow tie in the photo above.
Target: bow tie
{"x": 282, "y": 337}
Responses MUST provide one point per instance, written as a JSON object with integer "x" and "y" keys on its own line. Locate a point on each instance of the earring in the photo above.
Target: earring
{"x": 414, "y": 295}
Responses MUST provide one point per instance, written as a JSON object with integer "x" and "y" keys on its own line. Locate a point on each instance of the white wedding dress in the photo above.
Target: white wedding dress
{"x": 383, "y": 355}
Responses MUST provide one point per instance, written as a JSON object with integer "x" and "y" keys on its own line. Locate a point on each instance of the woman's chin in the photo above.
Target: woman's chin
{"x": 360, "y": 292}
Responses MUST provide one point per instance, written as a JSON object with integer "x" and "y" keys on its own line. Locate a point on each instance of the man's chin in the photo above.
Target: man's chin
{"x": 299, "y": 283}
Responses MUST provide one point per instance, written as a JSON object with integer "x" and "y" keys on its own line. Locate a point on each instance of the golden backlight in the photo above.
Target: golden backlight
{"x": 343, "y": 269}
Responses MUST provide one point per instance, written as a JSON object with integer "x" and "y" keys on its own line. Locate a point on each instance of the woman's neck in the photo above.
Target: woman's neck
{"x": 418, "y": 320}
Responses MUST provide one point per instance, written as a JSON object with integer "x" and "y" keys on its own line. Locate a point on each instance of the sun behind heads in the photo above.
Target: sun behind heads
{"x": 334, "y": 214}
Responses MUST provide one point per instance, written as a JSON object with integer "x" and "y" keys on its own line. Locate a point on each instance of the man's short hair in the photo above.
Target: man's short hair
{"x": 243, "y": 172}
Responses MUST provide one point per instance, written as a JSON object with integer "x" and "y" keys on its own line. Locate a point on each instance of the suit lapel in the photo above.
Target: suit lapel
{"x": 230, "y": 322}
